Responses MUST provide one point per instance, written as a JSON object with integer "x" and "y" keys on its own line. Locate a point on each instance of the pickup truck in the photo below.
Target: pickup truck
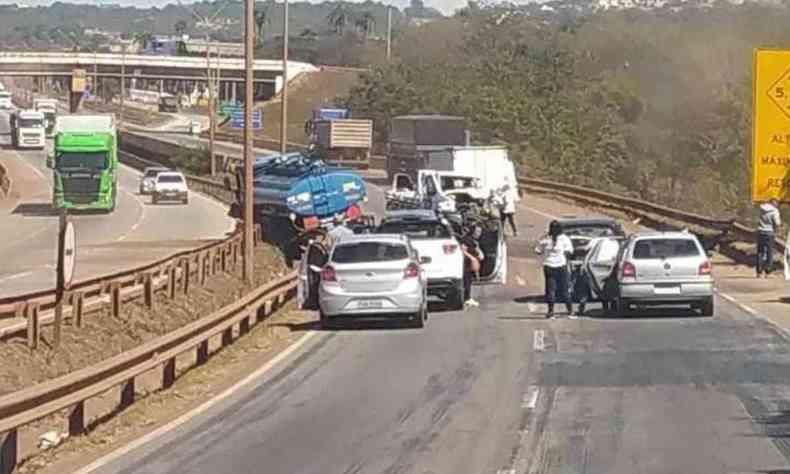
{"x": 441, "y": 188}
{"x": 433, "y": 238}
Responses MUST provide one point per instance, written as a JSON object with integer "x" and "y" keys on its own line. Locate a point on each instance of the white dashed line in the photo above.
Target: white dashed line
{"x": 530, "y": 400}
{"x": 538, "y": 342}
{"x": 139, "y": 219}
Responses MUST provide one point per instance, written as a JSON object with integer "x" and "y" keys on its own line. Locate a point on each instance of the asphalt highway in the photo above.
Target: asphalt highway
{"x": 499, "y": 389}
{"x": 135, "y": 233}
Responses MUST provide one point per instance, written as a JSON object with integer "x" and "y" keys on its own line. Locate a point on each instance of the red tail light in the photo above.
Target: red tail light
{"x": 328, "y": 274}
{"x": 705, "y": 268}
{"x": 449, "y": 248}
{"x": 629, "y": 270}
{"x": 412, "y": 271}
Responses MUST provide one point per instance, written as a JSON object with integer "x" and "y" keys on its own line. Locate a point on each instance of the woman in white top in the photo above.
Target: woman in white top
{"x": 556, "y": 248}
{"x": 508, "y": 209}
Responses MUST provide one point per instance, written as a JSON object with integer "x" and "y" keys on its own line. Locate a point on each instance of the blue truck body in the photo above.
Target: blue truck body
{"x": 300, "y": 186}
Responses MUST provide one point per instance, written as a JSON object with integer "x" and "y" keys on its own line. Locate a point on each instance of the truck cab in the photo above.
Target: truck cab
{"x": 5, "y": 100}
{"x": 28, "y": 129}
{"x": 49, "y": 107}
{"x": 85, "y": 163}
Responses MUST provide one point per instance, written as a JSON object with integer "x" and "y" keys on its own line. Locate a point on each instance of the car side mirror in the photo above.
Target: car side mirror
{"x": 50, "y": 161}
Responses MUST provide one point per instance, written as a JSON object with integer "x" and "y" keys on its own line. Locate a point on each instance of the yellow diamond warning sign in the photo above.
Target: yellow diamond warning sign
{"x": 771, "y": 132}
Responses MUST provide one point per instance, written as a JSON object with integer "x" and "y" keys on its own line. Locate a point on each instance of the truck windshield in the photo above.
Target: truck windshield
{"x": 94, "y": 161}
{"x": 29, "y": 123}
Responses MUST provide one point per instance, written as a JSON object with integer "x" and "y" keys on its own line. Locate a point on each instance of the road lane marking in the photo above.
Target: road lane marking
{"x": 531, "y": 307}
{"x": 539, "y": 342}
{"x": 16, "y": 276}
{"x": 520, "y": 281}
{"x": 186, "y": 417}
{"x": 139, "y": 219}
{"x": 530, "y": 400}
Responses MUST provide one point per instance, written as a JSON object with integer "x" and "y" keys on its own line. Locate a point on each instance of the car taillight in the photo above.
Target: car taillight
{"x": 705, "y": 268}
{"x": 328, "y": 274}
{"x": 411, "y": 271}
{"x": 449, "y": 248}
{"x": 629, "y": 270}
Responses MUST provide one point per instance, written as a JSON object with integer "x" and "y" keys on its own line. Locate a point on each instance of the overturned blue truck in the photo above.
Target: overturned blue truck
{"x": 296, "y": 193}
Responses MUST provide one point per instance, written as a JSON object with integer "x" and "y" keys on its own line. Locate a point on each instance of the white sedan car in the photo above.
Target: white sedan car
{"x": 170, "y": 186}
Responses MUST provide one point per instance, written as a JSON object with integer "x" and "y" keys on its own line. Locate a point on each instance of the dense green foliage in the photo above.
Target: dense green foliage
{"x": 656, "y": 104}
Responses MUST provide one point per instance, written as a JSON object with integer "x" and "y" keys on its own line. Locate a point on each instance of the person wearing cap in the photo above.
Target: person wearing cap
{"x": 769, "y": 224}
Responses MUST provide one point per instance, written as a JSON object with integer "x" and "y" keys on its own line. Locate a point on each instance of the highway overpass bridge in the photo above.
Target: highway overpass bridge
{"x": 168, "y": 73}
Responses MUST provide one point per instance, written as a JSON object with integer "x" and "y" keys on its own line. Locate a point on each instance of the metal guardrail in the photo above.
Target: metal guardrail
{"x": 70, "y": 392}
{"x": 722, "y": 227}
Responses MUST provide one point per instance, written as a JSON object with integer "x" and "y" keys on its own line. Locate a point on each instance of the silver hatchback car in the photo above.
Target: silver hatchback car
{"x": 371, "y": 275}
{"x": 664, "y": 268}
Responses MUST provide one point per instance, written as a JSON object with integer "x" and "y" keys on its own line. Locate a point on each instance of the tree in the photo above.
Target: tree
{"x": 142, "y": 38}
{"x": 261, "y": 20}
{"x": 366, "y": 22}
{"x": 339, "y": 17}
{"x": 180, "y": 28}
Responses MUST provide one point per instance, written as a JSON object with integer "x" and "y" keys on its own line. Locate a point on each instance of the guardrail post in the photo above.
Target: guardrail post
{"x": 169, "y": 373}
{"x": 115, "y": 299}
{"x": 202, "y": 352}
{"x": 9, "y": 452}
{"x": 77, "y": 419}
{"x": 244, "y": 324}
{"x": 33, "y": 328}
{"x": 171, "y": 282}
{"x": 77, "y": 308}
{"x": 148, "y": 290}
{"x": 224, "y": 257}
{"x": 20, "y": 309}
{"x": 214, "y": 262}
{"x": 235, "y": 259}
{"x": 227, "y": 337}
{"x": 185, "y": 275}
{"x": 202, "y": 269}
{"x": 127, "y": 393}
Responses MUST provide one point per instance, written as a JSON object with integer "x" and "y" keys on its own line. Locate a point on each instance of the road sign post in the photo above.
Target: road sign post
{"x": 67, "y": 253}
{"x": 771, "y": 125}
{"x": 79, "y": 80}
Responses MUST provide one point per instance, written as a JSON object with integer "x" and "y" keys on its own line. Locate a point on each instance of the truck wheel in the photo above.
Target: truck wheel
{"x": 617, "y": 308}
{"x": 455, "y": 299}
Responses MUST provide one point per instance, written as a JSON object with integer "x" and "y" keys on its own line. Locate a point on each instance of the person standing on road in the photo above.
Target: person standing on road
{"x": 556, "y": 249}
{"x": 770, "y": 222}
{"x": 508, "y": 209}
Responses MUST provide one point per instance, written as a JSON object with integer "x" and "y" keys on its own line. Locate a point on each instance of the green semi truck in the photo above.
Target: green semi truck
{"x": 85, "y": 163}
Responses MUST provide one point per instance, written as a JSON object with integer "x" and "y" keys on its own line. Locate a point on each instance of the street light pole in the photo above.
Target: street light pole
{"x": 123, "y": 85}
{"x": 284, "y": 115}
{"x": 389, "y": 32}
{"x": 249, "y": 49}
{"x": 210, "y": 82}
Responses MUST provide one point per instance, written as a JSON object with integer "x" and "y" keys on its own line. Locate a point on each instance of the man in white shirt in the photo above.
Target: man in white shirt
{"x": 556, "y": 249}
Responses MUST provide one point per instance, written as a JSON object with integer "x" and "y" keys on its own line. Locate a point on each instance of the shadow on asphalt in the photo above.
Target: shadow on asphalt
{"x": 35, "y": 209}
{"x": 351, "y": 324}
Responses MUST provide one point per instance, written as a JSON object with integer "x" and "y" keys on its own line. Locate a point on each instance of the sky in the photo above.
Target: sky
{"x": 445, "y": 6}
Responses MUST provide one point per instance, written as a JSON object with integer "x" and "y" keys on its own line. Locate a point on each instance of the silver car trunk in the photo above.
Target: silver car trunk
{"x": 370, "y": 277}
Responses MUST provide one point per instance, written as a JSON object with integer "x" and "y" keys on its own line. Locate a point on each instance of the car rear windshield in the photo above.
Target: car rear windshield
{"x": 416, "y": 230}
{"x": 369, "y": 252}
{"x": 591, "y": 231}
{"x": 169, "y": 179}
{"x": 152, "y": 173}
{"x": 665, "y": 248}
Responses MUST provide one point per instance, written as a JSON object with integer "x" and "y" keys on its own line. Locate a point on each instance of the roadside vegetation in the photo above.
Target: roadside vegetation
{"x": 655, "y": 104}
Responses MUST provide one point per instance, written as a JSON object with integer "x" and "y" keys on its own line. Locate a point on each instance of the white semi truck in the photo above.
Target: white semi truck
{"x": 28, "y": 129}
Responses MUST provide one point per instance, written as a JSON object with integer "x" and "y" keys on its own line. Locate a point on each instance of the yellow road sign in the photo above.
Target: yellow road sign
{"x": 771, "y": 132}
{"x": 78, "y": 80}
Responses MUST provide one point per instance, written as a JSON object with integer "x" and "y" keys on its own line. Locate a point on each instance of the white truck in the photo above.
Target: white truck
{"x": 49, "y": 107}
{"x": 6, "y": 102}
{"x": 473, "y": 171}
{"x": 28, "y": 129}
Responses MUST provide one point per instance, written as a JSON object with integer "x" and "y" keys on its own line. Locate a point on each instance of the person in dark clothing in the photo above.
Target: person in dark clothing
{"x": 556, "y": 249}
{"x": 581, "y": 290}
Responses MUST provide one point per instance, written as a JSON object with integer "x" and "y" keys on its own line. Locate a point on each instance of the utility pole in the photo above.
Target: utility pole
{"x": 123, "y": 84}
{"x": 95, "y": 91}
{"x": 389, "y": 32}
{"x": 284, "y": 115}
{"x": 210, "y": 83}
{"x": 249, "y": 50}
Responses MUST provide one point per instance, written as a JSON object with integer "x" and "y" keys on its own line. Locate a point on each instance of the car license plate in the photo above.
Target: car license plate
{"x": 667, "y": 290}
{"x": 370, "y": 304}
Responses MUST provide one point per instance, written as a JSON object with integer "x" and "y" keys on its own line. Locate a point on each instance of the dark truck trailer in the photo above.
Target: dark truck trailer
{"x": 413, "y": 137}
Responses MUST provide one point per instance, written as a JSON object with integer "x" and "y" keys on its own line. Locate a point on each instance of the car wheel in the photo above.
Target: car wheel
{"x": 455, "y": 300}
{"x": 186, "y": 200}
{"x": 706, "y": 308}
{"x": 420, "y": 317}
{"x": 326, "y": 322}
